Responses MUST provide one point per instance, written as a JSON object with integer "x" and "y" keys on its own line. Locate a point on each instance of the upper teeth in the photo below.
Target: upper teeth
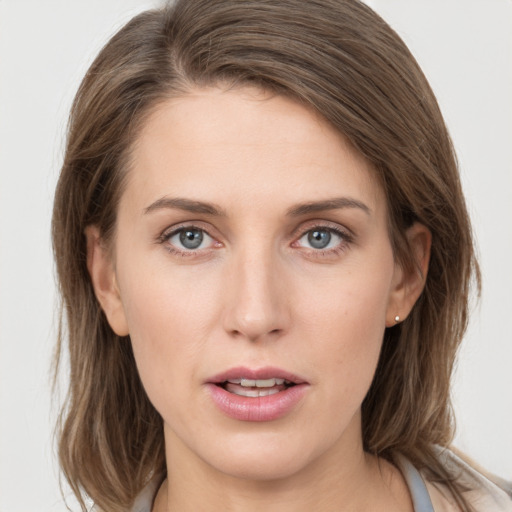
{"x": 258, "y": 383}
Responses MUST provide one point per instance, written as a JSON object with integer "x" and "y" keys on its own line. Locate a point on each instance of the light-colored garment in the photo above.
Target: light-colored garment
{"x": 144, "y": 500}
{"x": 484, "y": 495}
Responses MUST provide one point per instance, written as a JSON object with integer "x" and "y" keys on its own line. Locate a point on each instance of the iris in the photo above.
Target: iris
{"x": 319, "y": 239}
{"x": 191, "y": 238}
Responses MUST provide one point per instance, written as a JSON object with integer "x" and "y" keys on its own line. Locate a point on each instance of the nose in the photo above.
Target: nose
{"x": 257, "y": 306}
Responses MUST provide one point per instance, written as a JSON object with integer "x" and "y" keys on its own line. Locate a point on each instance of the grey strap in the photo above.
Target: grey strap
{"x": 419, "y": 493}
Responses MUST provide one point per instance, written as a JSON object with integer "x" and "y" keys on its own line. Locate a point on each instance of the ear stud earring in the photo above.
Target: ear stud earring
{"x": 397, "y": 319}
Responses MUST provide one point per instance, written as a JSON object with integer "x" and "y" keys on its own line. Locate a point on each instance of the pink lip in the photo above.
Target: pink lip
{"x": 263, "y": 408}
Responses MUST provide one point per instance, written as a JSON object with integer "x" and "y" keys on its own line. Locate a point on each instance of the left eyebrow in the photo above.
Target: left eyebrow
{"x": 328, "y": 204}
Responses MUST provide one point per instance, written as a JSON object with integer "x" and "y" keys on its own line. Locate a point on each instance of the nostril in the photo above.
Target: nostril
{"x": 254, "y": 336}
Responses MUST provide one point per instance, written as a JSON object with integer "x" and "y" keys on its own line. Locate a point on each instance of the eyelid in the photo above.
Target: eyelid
{"x": 327, "y": 225}
{"x": 188, "y": 224}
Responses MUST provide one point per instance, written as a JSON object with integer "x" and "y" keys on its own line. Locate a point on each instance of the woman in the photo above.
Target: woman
{"x": 265, "y": 260}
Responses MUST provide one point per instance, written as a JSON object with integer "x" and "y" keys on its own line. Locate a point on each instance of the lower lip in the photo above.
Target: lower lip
{"x": 262, "y": 408}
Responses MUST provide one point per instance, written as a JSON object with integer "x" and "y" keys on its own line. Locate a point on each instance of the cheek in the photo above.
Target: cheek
{"x": 169, "y": 315}
{"x": 352, "y": 302}
{"x": 345, "y": 319}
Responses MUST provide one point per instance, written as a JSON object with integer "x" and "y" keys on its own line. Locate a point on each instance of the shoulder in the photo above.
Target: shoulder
{"x": 484, "y": 492}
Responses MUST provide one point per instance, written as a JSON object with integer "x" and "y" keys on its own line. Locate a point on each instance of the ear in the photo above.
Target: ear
{"x": 408, "y": 284}
{"x": 103, "y": 277}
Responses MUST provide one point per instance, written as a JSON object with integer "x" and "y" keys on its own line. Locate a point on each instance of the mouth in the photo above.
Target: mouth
{"x": 257, "y": 395}
{"x": 256, "y": 382}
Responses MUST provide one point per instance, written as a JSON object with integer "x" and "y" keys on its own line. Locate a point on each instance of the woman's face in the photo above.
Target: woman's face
{"x": 252, "y": 245}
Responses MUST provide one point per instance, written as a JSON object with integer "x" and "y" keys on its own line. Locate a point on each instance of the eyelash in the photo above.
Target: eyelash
{"x": 345, "y": 236}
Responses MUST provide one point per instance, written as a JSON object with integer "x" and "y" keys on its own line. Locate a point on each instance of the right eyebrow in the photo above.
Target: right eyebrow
{"x": 188, "y": 205}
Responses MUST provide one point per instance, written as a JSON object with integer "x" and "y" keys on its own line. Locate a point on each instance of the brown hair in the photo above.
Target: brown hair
{"x": 339, "y": 58}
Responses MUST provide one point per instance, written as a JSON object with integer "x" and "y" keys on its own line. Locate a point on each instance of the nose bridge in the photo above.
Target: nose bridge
{"x": 258, "y": 302}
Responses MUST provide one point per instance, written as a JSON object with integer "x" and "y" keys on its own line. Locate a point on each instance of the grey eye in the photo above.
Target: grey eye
{"x": 191, "y": 238}
{"x": 319, "y": 238}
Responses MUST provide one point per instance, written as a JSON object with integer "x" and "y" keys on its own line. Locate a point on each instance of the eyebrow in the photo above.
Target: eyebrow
{"x": 329, "y": 204}
{"x": 188, "y": 205}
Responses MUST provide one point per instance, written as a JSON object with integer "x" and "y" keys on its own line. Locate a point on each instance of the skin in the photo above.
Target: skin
{"x": 256, "y": 293}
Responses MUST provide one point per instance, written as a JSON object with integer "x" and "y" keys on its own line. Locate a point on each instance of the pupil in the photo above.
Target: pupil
{"x": 191, "y": 238}
{"x": 319, "y": 239}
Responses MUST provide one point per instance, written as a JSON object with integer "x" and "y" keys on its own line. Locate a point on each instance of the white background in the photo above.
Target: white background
{"x": 465, "y": 49}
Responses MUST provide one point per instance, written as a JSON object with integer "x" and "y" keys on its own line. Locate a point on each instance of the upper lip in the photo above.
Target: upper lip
{"x": 268, "y": 372}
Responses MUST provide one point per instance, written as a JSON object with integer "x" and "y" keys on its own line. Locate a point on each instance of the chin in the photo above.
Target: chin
{"x": 263, "y": 460}
{"x": 261, "y": 470}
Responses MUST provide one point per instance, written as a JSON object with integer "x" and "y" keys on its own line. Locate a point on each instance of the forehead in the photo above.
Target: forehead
{"x": 245, "y": 143}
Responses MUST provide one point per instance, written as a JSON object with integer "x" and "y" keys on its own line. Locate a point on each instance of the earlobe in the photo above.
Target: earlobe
{"x": 103, "y": 277}
{"x": 409, "y": 283}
